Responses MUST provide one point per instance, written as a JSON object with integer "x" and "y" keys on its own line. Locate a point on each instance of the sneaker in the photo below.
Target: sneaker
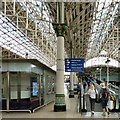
{"x": 92, "y": 112}
{"x": 103, "y": 114}
{"x": 108, "y": 113}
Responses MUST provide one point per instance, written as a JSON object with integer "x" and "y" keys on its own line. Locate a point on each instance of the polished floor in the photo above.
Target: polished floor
{"x": 72, "y": 112}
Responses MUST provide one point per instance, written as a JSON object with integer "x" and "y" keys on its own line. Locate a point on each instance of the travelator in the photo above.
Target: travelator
{"x": 82, "y": 98}
{"x": 114, "y": 101}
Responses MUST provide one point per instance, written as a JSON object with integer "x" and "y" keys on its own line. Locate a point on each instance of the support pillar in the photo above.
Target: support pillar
{"x": 8, "y": 92}
{"x": 60, "y": 29}
{"x": 107, "y": 61}
{"x": 75, "y": 79}
{"x": 71, "y": 95}
{"x": 107, "y": 75}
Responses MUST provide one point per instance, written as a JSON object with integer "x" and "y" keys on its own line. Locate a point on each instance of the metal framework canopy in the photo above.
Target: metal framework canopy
{"x": 93, "y": 29}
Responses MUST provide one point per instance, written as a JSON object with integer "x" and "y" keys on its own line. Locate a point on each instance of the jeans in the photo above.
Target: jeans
{"x": 92, "y": 104}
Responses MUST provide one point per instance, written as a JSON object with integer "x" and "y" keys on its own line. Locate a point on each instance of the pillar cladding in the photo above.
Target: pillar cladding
{"x": 60, "y": 65}
{"x": 71, "y": 95}
{"x": 60, "y": 97}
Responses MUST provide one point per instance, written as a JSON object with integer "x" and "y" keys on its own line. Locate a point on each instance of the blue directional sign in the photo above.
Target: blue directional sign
{"x": 74, "y": 65}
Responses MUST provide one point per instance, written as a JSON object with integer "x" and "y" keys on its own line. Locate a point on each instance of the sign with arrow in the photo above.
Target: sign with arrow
{"x": 74, "y": 65}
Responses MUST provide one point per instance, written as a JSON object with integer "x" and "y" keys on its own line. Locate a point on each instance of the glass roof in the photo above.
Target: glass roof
{"x": 45, "y": 26}
{"x": 102, "y": 21}
{"x": 15, "y": 40}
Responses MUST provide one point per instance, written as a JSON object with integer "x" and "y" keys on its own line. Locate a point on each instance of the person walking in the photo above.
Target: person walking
{"x": 92, "y": 96}
{"x": 84, "y": 85}
{"x": 104, "y": 96}
{"x": 88, "y": 81}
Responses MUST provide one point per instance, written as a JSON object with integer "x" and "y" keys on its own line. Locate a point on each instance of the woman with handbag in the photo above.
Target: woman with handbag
{"x": 92, "y": 96}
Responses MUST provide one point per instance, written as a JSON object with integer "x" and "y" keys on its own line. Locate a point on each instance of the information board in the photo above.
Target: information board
{"x": 74, "y": 65}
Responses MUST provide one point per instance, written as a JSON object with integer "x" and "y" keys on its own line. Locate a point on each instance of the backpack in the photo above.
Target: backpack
{"x": 105, "y": 93}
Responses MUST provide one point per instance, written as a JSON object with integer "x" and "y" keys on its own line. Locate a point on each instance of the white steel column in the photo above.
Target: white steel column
{"x": 75, "y": 80}
{"x": 71, "y": 95}
{"x": 107, "y": 62}
{"x": 60, "y": 66}
{"x": 59, "y": 28}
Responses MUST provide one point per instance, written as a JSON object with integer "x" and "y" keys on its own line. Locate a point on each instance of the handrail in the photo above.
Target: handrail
{"x": 116, "y": 87}
{"x": 110, "y": 85}
{"x": 98, "y": 87}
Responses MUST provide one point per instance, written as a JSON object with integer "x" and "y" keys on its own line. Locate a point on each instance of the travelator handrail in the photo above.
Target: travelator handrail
{"x": 116, "y": 87}
{"x": 113, "y": 86}
{"x": 98, "y": 87}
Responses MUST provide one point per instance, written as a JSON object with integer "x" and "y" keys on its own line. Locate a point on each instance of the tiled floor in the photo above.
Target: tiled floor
{"x": 47, "y": 112}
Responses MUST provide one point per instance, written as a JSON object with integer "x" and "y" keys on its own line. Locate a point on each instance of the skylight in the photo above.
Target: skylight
{"x": 15, "y": 41}
{"x": 102, "y": 21}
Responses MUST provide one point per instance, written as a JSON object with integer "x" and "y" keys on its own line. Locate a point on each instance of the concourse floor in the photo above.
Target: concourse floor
{"x": 71, "y": 112}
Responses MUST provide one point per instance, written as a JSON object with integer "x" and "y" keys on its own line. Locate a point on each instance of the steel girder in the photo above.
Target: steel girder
{"x": 81, "y": 18}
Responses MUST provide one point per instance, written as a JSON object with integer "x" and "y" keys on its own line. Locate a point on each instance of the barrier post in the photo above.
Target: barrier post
{"x": 119, "y": 98}
{"x": 80, "y": 100}
{"x": 84, "y": 100}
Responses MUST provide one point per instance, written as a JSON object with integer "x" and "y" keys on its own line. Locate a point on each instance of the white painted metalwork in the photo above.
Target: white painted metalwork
{"x": 93, "y": 27}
